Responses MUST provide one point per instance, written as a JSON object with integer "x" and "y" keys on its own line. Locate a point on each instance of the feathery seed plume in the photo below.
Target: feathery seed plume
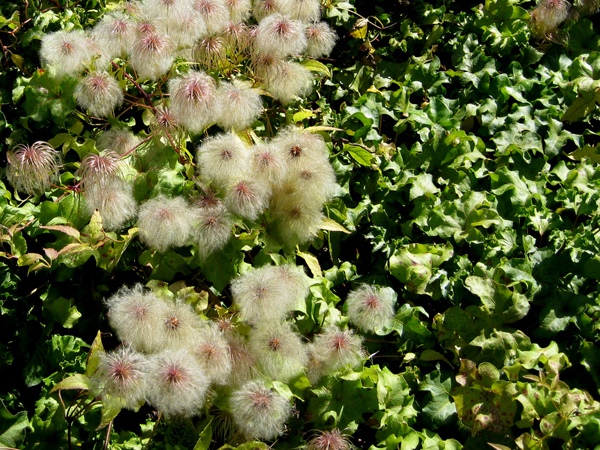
{"x": 193, "y": 100}
{"x": 280, "y": 36}
{"x": 289, "y": 81}
{"x": 241, "y": 105}
{"x": 117, "y": 139}
{"x": 215, "y": 14}
{"x": 211, "y": 349}
{"x": 177, "y": 384}
{"x": 338, "y": 348}
{"x": 223, "y": 158}
{"x": 120, "y": 378}
{"x": 32, "y": 168}
{"x": 99, "y": 94}
{"x": 165, "y": 223}
{"x": 279, "y": 351}
{"x": 264, "y": 8}
{"x": 320, "y": 39}
{"x": 329, "y": 440}
{"x": 113, "y": 198}
{"x": 152, "y": 55}
{"x": 259, "y": 412}
{"x": 135, "y": 314}
{"x": 215, "y": 226}
{"x": 306, "y": 11}
{"x": 239, "y": 10}
{"x": 66, "y": 52}
{"x": 248, "y": 197}
{"x": 115, "y": 33}
{"x": 371, "y": 308}
{"x": 263, "y": 295}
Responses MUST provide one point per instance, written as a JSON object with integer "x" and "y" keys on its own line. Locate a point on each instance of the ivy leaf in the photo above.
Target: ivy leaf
{"x": 438, "y": 407}
{"x": 13, "y": 427}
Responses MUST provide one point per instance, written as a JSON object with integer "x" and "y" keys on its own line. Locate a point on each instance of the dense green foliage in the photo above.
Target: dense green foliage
{"x": 466, "y": 151}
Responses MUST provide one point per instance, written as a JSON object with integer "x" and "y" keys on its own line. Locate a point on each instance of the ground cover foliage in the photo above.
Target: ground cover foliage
{"x": 464, "y": 143}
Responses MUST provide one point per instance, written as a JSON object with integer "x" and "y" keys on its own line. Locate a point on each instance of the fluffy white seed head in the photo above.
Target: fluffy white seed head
{"x": 371, "y": 308}
{"x": 211, "y": 349}
{"x": 268, "y": 163}
{"x": 215, "y": 228}
{"x": 113, "y": 198}
{"x": 96, "y": 168}
{"x": 248, "y": 197}
{"x": 295, "y": 220}
{"x": 264, "y": 8}
{"x": 99, "y": 94}
{"x": 329, "y": 440}
{"x": 66, "y": 52}
{"x": 121, "y": 378}
{"x": 321, "y": 40}
{"x": 337, "y": 349}
{"x": 135, "y": 314}
{"x": 243, "y": 366}
{"x": 166, "y": 124}
{"x": 166, "y": 12}
{"x": 118, "y": 140}
{"x": 223, "y": 158}
{"x": 177, "y": 384}
{"x": 290, "y": 81}
{"x": 215, "y": 14}
{"x": 239, "y": 10}
{"x": 262, "y": 294}
{"x": 179, "y": 325}
{"x": 32, "y": 168}
{"x": 312, "y": 180}
{"x": 295, "y": 280}
{"x": 306, "y": 11}
{"x": 279, "y": 351}
{"x": 297, "y": 145}
{"x": 267, "y": 67}
{"x": 259, "y": 412}
{"x": 242, "y": 105}
{"x": 237, "y": 37}
{"x": 165, "y": 223}
{"x": 152, "y": 55}
{"x": 187, "y": 29}
{"x": 193, "y": 100}
{"x": 210, "y": 51}
{"x": 114, "y": 33}
{"x": 280, "y": 36}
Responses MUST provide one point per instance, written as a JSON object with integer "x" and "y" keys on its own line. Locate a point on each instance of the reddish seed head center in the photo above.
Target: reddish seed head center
{"x": 67, "y": 48}
{"x": 372, "y": 302}
{"x": 209, "y": 351}
{"x": 172, "y": 322}
{"x": 261, "y": 401}
{"x": 243, "y": 190}
{"x": 261, "y": 292}
{"x": 152, "y": 43}
{"x": 174, "y": 375}
{"x": 121, "y": 372}
{"x": 282, "y": 28}
{"x": 119, "y": 27}
{"x": 274, "y": 344}
{"x": 340, "y": 342}
{"x": 295, "y": 151}
{"x": 140, "y": 312}
{"x": 296, "y": 213}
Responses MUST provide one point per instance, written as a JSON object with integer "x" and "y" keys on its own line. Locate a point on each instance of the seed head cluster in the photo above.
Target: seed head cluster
{"x": 178, "y": 360}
